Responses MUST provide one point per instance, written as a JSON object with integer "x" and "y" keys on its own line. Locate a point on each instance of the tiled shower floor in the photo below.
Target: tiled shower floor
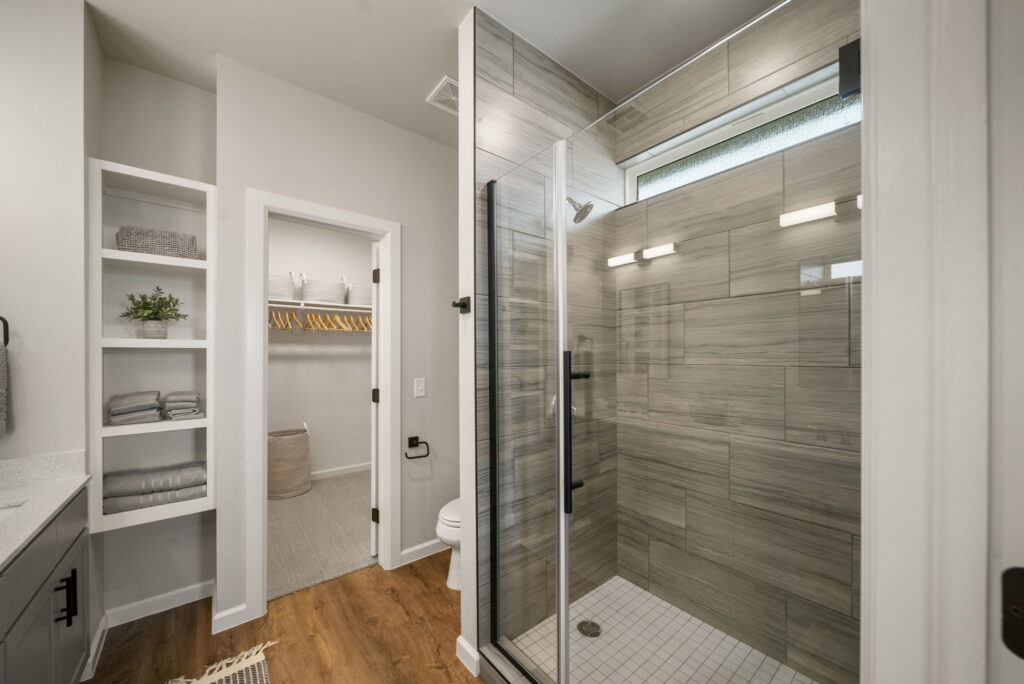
{"x": 646, "y": 639}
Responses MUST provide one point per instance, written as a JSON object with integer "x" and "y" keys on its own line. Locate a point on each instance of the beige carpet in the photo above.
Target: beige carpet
{"x": 320, "y": 535}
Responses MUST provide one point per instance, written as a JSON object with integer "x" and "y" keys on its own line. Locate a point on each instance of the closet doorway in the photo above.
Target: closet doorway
{"x": 328, "y": 363}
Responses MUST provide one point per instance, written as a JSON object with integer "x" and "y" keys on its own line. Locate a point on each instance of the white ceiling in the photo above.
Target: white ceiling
{"x": 382, "y": 57}
{"x": 619, "y": 46}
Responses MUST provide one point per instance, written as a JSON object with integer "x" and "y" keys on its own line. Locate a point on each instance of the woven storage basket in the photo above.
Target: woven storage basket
{"x": 288, "y": 468}
{"x": 153, "y": 241}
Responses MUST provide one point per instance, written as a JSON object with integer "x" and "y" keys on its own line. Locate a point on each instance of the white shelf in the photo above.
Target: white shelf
{"x": 116, "y": 255}
{"x": 124, "y": 195}
{"x": 133, "y": 343}
{"x": 140, "y": 516}
{"x": 318, "y": 306}
{"x": 159, "y": 426}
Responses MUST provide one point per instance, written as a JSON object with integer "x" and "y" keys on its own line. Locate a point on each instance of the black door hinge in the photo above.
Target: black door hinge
{"x": 376, "y": 275}
{"x": 375, "y": 515}
{"x": 1013, "y": 610}
{"x": 375, "y": 395}
{"x": 849, "y": 69}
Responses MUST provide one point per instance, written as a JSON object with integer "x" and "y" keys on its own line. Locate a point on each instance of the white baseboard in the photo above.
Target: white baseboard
{"x": 469, "y": 656}
{"x": 340, "y": 470}
{"x": 427, "y": 548}
{"x": 159, "y": 603}
{"x": 95, "y": 649}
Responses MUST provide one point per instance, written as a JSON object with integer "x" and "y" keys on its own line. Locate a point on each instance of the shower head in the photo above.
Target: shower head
{"x": 582, "y": 210}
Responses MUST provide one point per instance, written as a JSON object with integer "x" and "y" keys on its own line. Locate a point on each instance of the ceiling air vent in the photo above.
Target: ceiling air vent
{"x": 445, "y": 95}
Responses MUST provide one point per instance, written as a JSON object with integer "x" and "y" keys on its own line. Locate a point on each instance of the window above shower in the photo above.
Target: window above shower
{"x": 789, "y": 116}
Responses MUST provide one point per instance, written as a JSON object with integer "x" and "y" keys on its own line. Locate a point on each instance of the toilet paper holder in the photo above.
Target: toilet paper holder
{"x": 415, "y": 442}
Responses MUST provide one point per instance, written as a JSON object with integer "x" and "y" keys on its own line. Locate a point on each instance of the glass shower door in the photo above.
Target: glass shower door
{"x": 520, "y": 378}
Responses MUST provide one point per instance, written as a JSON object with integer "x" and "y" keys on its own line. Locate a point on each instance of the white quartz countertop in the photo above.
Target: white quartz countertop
{"x": 42, "y": 493}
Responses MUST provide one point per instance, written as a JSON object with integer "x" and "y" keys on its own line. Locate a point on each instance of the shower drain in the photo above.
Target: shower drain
{"x": 589, "y": 628}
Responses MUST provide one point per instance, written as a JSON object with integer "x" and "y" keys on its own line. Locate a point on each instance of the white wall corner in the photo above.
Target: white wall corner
{"x": 467, "y": 332}
{"x": 96, "y": 648}
{"x": 235, "y": 615}
{"x": 469, "y": 656}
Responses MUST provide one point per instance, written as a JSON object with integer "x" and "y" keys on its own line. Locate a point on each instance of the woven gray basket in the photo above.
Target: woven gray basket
{"x": 153, "y": 241}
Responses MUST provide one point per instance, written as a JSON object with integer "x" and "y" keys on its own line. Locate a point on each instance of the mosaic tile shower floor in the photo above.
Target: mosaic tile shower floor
{"x": 646, "y": 639}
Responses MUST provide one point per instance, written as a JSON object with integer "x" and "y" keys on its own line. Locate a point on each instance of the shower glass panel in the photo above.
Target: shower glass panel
{"x": 521, "y": 421}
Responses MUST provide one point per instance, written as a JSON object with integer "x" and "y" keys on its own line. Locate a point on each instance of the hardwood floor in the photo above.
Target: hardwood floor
{"x": 369, "y": 626}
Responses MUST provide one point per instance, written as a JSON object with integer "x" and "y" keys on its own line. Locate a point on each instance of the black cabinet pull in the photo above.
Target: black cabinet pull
{"x": 69, "y": 585}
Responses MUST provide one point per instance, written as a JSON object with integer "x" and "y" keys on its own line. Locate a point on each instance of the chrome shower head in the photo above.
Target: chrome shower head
{"x": 582, "y": 210}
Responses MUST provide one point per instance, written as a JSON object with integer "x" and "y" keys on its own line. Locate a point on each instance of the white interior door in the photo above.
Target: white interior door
{"x": 374, "y": 408}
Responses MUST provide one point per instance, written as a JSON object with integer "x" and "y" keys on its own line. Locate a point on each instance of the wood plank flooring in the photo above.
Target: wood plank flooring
{"x": 372, "y": 625}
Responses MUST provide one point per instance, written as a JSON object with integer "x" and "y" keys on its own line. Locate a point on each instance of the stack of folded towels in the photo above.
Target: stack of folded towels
{"x": 182, "y": 406}
{"x": 127, "y": 490}
{"x": 136, "y": 407}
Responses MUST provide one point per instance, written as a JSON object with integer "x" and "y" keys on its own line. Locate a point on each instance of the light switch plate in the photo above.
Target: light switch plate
{"x": 419, "y": 387}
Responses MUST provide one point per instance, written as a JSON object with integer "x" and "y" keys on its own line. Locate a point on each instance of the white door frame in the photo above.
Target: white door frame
{"x": 926, "y": 342}
{"x": 387, "y": 326}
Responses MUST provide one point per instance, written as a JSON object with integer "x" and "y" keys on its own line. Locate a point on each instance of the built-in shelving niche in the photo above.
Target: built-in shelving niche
{"x": 120, "y": 361}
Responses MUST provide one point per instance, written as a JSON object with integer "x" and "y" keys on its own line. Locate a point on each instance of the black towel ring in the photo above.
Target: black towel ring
{"x": 7, "y": 330}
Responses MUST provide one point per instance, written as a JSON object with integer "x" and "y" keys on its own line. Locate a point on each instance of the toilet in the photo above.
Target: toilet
{"x": 449, "y": 524}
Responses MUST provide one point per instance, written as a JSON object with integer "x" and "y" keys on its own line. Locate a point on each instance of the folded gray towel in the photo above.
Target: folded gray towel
{"x": 174, "y": 405}
{"x": 116, "y": 504}
{"x": 133, "y": 401}
{"x": 185, "y": 414}
{"x": 148, "y": 416}
{"x": 147, "y": 480}
{"x": 181, "y": 396}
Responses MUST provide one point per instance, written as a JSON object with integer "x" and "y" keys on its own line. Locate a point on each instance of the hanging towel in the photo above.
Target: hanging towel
{"x": 116, "y": 504}
{"x": 149, "y": 416}
{"x": 172, "y": 397}
{"x": 5, "y": 392}
{"x": 132, "y": 402}
{"x": 148, "y": 480}
{"x": 175, "y": 405}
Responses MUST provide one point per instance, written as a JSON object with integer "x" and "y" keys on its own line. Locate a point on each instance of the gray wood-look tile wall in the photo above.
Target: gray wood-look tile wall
{"x": 739, "y": 406}
{"x": 795, "y": 40}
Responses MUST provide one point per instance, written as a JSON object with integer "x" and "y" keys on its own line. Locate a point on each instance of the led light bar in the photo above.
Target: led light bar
{"x": 809, "y": 214}
{"x": 660, "y": 250}
{"x": 622, "y": 259}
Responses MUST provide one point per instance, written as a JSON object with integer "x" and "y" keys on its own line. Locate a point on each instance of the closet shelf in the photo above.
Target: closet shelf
{"x": 136, "y": 343}
{"x": 317, "y": 306}
{"x": 140, "y": 516}
{"x": 116, "y": 255}
{"x": 161, "y": 426}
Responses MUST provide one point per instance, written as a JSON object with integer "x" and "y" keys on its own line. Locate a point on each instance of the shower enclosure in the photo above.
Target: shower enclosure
{"x": 670, "y": 390}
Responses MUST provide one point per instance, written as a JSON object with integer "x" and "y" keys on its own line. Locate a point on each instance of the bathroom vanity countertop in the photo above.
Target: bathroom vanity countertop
{"x": 43, "y": 499}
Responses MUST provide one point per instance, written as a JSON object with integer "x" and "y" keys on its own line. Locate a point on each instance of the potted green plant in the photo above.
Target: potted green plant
{"x": 154, "y": 310}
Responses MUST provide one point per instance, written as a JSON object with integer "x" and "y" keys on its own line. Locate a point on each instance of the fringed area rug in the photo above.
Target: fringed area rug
{"x": 248, "y": 667}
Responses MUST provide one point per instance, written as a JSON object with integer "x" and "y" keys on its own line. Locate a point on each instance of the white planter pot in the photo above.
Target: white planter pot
{"x": 154, "y": 330}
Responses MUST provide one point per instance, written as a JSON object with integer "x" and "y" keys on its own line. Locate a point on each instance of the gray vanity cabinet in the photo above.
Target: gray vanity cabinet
{"x": 43, "y": 599}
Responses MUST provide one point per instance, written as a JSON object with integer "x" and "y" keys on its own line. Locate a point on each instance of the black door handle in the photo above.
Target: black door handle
{"x": 567, "y": 377}
{"x": 69, "y": 585}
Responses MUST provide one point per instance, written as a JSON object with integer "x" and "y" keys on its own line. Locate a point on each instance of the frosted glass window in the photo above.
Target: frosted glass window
{"x": 802, "y": 125}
